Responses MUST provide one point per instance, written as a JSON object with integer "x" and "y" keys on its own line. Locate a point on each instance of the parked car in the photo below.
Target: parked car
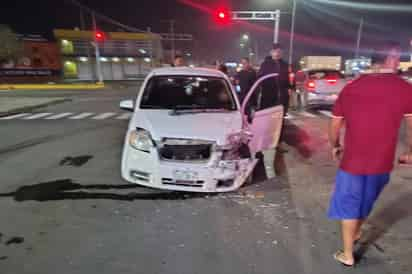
{"x": 319, "y": 87}
{"x": 188, "y": 132}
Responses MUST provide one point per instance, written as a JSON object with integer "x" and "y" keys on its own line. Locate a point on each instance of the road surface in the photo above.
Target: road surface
{"x": 64, "y": 208}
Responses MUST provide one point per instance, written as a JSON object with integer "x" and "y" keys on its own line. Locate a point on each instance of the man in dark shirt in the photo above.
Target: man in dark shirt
{"x": 245, "y": 78}
{"x": 372, "y": 109}
{"x": 275, "y": 92}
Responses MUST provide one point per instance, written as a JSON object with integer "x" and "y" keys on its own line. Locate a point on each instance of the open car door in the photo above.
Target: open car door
{"x": 262, "y": 121}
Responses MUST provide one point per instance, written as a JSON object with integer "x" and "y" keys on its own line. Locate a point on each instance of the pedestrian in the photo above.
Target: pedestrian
{"x": 372, "y": 109}
{"x": 245, "y": 78}
{"x": 178, "y": 61}
{"x": 275, "y": 92}
{"x": 223, "y": 68}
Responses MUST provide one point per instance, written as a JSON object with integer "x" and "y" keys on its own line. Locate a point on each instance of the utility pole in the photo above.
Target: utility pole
{"x": 292, "y": 33}
{"x": 358, "y": 41}
{"x": 172, "y": 34}
{"x": 149, "y": 31}
{"x": 82, "y": 21}
{"x": 97, "y": 52}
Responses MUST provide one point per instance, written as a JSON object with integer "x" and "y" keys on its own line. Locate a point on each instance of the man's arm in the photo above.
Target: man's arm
{"x": 335, "y": 127}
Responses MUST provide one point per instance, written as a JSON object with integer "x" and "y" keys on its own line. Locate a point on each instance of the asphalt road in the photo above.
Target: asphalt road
{"x": 65, "y": 209}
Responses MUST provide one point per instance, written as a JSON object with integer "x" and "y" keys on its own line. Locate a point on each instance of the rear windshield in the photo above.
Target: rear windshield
{"x": 170, "y": 92}
{"x": 323, "y": 74}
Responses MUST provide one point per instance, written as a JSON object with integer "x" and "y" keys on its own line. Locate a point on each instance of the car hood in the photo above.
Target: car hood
{"x": 201, "y": 126}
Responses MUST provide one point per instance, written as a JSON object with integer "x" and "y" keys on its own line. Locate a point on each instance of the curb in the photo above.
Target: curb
{"x": 51, "y": 86}
{"x": 31, "y": 108}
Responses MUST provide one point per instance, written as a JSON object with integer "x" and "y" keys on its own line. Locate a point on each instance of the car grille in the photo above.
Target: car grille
{"x": 199, "y": 152}
{"x": 168, "y": 181}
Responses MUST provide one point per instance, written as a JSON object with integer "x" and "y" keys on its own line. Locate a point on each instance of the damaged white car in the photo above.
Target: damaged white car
{"x": 188, "y": 132}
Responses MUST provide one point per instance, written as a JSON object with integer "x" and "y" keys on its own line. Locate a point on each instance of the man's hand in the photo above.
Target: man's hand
{"x": 337, "y": 153}
{"x": 406, "y": 159}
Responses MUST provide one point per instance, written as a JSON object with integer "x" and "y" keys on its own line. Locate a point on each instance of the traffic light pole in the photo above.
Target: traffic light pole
{"x": 97, "y": 52}
{"x": 292, "y": 33}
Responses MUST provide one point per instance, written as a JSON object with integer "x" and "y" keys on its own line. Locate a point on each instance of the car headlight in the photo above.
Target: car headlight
{"x": 140, "y": 139}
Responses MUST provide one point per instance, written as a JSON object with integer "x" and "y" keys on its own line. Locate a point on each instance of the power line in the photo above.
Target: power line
{"x": 105, "y": 18}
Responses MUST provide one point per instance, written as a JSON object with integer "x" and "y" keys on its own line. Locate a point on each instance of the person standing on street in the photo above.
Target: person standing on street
{"x": 277, "y": 92}
{"x": 179, "y": 61}
{"x": 245, "y": 78}
{"x": 372, "y": 109}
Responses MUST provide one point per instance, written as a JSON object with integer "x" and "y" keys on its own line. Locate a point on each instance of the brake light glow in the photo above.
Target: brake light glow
{"x": 332, "y": 81}
{"x": 311, "y": 85}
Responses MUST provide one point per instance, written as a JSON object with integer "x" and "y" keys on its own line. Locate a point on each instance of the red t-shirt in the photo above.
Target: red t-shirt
{"x": 373, "y": 108}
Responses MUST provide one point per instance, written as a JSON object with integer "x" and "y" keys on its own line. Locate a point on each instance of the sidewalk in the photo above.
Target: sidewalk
{"x": 14, "y": 105}
{"x": 83, "y": 86}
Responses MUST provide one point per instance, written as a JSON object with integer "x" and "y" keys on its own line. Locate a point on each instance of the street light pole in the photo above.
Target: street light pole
{"x": 358, "y": 41}
{"x": 276, "y": 30}
{"x": 292, "y": 33}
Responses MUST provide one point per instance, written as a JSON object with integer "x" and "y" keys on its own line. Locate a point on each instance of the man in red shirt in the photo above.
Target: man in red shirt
{"x": 372, "y": 109}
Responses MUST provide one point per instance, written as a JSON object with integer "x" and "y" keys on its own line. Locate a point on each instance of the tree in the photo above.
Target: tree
{"x": 10, "y": 46}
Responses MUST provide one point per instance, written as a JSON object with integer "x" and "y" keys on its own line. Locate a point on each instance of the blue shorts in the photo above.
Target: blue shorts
{"x": 355, "y": 195}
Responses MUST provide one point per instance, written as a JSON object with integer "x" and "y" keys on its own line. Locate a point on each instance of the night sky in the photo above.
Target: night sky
{"x": 323, "y": 26}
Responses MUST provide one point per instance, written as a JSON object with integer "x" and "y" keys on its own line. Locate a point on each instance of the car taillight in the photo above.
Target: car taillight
{"x": 310, "y": 85}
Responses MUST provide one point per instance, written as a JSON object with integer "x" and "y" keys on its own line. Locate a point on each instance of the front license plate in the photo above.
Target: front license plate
{"x": 185, "y": 175}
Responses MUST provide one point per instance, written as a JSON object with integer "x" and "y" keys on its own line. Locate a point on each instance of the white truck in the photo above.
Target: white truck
{"x": 321, "y": 62}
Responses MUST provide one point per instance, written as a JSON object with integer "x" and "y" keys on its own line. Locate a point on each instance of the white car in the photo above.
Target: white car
{"x": 319, "y": 87}
{"x": 188, "y": 132}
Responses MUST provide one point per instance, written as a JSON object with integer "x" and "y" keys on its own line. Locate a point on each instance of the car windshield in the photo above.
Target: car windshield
{"x": 187, "y": 92}
{"x": 323, "y": 74}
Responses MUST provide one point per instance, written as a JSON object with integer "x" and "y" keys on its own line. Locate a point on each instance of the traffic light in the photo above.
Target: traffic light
{"x": 222, "y": 16}
{"x": 99, "y": 36}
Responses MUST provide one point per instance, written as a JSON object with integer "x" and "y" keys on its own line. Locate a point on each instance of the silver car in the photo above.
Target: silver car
{"x": 319, "y": 87}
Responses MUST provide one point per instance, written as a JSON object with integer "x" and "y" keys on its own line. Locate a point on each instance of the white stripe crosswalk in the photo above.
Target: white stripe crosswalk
{"x": 326, "y": 113}
{"x": 294, "y": 115}
{"x": 82, "y": 116}
{"x": 37, "y": 116}
{"x": 59, "y": 116}
{"x": 104, "y": 116}
{"x": 15, "y": 116}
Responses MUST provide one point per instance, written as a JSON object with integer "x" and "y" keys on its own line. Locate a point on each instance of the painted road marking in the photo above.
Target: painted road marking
{"x": 326, "y": 113}
{"x": 289, "y": 116}
{"x": 59, "y": 116}
{"x": 37, "y": 116}
{"x": 125, "y": 116}
{"x": 308, "y": 114}
{"x": 82, "y": 116}
{"x": 104, "y": 116}
{"x": 15, "y": 116}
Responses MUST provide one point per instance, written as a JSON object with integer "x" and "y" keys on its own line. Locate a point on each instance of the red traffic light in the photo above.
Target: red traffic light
{"x": 99, "y": 36}
{"x": 222, "y": 16}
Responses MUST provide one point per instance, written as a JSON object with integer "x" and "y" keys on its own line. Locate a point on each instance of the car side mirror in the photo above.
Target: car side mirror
{"x": 127, "y": 105}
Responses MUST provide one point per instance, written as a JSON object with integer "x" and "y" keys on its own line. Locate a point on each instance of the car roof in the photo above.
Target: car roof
{"x": 187, "y": 71}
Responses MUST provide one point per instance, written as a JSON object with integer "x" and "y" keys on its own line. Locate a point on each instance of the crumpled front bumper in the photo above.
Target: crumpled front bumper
{"x": 215, "y": 175}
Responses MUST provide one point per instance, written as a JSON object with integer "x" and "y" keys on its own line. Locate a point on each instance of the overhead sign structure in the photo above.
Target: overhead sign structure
{"x": 260, "y": 16}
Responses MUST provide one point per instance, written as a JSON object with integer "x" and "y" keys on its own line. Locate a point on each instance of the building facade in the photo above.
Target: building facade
{"x": 123, "y": 55}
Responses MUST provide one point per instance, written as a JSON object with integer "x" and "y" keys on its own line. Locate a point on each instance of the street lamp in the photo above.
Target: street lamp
{"x": 245, "y": 37}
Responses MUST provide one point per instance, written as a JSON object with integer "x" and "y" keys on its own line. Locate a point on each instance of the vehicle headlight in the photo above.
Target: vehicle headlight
{"x": 140, "y": 139}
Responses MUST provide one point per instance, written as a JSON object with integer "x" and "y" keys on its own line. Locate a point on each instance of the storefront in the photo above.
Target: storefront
{"x": 123, "y": 56}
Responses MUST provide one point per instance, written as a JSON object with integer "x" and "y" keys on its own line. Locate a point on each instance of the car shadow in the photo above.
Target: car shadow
{"x": 66, "y": 189}
{"x": 383, "y": 220}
